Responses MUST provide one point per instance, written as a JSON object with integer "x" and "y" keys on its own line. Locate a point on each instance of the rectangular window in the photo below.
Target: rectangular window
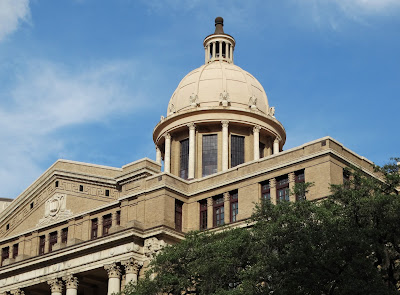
{"x": 184, "y": 159}
{"x": 262, "y": 148}
{"x": 81, "y": 188}
{"x": 107, "y": 192}
{"x": 219, "y": 211}
{"x": 234, "y": 205}
{"x": 15, "y": 251}
{"x": 56, "y": 183}
{"x": 210, "y": 154}
{"x": 42, "y": 243}
{"x": 5, "y": 254}
{"x": 346, "y": 178}
{"x": 52, "y": 240}
{"x": 178, "y": 215}
{"x": 203, "y": 215}
{"x": 107, "y": 222}
{"x": 118, "y": 218}
{"x": 282, "y": 189}
{"x": 94, "y": 229}
{"x": 299, "y": 178}
{"x": 237, "y": 150}
{"x": 64, "y": 235}
{"x": 265, "y": 191}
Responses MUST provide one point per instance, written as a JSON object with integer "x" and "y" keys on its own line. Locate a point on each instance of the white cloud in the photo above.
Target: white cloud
{"x": 12, "y": 13}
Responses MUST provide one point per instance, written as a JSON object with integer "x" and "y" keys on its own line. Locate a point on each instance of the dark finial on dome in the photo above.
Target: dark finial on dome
{"x": 219, "y": 25}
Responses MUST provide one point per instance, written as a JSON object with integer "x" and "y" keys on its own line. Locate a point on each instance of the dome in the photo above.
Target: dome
{"x": 218, "y": 84}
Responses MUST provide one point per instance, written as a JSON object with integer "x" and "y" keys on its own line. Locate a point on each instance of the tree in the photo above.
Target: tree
{"x": 345, "y": 244}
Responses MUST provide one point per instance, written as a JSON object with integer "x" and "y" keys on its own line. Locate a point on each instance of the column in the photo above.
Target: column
{"x": 226, "y": 50}
{"x": 214, "y": 51}
{"x": 167, "y": 156}
{"x": 231, "y": 53}
{"x": 114, "y": 275}
{"x": 256, "y": 135}
{"x": 225, "y": 144}
{"x": 291, "y": 176}
{"x": 71, "y": 284}
{"x": 272, "y": 190}
{"x": 55, "y": 286}
{"x": 210, "y": 213}
{"x": 158, "y": 155}
{"x": 276, "y": 146}
{"x": 132, "y": 267}
{"x": 227, "y": 208}
{"x": 192, "y": 134}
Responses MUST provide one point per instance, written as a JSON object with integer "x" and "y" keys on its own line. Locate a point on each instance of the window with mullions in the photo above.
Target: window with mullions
{"x": 64, "y": 235}
{"x": 184, "y": 160}
{"x": 219, "y": 211}
{"x": 15, "y": 251}
{"x": 265, "y": 191}
{"x": 94, "y": 228}
{"x": 178, "y": 215}
{"x": 203, "y": 215}
{"x": 5, "y": 254}
{"x": 42, "y": 243}
{"x": 282, "y": 189}
{"x": 234, "y": 205}
{"x": 52, "y": 240}
{"x": 107, "y": 222}
{"x": 210, "y": 154}
{"x": 299, "y": 178}
{"x": 237, "y": 150}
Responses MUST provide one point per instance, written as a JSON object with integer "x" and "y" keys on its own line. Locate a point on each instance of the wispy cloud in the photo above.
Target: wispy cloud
{"x": 12, "y": 13}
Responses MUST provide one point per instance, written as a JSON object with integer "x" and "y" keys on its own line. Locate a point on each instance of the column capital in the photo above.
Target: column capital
{"x": 256, "y": 129}
{"x": 132, "y": 265}
{"x": 291, "y": 177}
{"x": 225, "y": 123}
{"x": 55, "y": 285}
{"x": 272, "y": 182}
{"x": 167, "y": 135}
{"x": 113, "y": 270}
{"x": 277, "y": 139}
{"x": 191, "y": 126}
{"x": 71, "y": 282}
{"x": 16, "y": 292}
{"x": 210, "y": 201}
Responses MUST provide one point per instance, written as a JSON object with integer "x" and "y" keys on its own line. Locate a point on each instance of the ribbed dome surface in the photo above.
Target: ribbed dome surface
{"x": 218, "y": 84}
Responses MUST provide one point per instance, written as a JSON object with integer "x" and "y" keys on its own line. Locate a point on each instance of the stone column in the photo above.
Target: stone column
{"x": 192, "y": 134}
{"x": 276, "y": 146}
{"x": 158, "y": 155}
{"x": 226, "y": 49}
{"x": 227, "y": 208}
{"x": 114, "y": 278}
{"x": 55, "y": 286}
{"x": 225, "y": 145}
{"x": 132, "y": 267}
{"x": 71, "y": 284}
{"x": 256, "y": 134}
{"x": 214, "y": 51}
{"x": 292, "y": 197}
{"x": 167, "y": 156}
{"x": 15, "y": 292}
{"x": 231, "y": 53}
{"x": 210, "y": 213}
{"x": 272, "y": 190}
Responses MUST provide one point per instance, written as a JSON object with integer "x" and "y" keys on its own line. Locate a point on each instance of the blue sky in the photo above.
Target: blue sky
{"x": 88, "y": 80}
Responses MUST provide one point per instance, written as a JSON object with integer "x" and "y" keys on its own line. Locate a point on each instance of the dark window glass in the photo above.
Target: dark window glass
{"x": 5, "y": 254}
{"x": 178, "y": 215}
{"x": 237, "y": 150}
{"x": 94, "y": 229}
{"x": 57, "y": 183}
{"x": 81, "y": 188}
{"x": 219, "y": 211}
{"x": 234, "y": 205}
{"x": 15, "y": 251}
{"x": 107, "y": 222}
{"x": 282, "y": 189}
{"x": 8, "y": 226}
{"x": 118, "y": 218}
{"x": 210, "y": 154}
{"x": 42, "y": 243}
{"x": 184, "y": 160}
{"x": 265, "y": 191}
{"x": 32, "y": 205}
{"x": 203, "y": 215}
{"x": 262, "y": 148}
{"x": 64, "y": 235}
{"x": 52, "y": 240}
{"x": 107, "y": 192}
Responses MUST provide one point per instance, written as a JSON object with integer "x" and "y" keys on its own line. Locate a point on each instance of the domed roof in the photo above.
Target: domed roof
{"x": 218, "y": 83}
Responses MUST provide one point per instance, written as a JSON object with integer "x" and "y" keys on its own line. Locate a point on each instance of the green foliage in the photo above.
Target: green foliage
{"x": 345, "y": 244}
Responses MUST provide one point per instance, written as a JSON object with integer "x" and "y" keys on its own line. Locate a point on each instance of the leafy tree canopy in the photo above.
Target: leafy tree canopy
{"x": 348, "y": 243}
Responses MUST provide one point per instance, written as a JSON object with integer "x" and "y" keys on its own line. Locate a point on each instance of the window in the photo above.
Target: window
{"x": 42, "y": 243}
{"x": 52, "y": 240}
{"x": 210, "y": 154}
{"x": 81, "y": 188}
{"x": 346, "y": 178}
{"x": 5, "y": 254}
{"x": 107, "y": 192}
{"x": 265, "y": 191}
{"x": 262, "y": 148}
{"x": 219, "y": 210}
{"x": 64, "y": 235}
{"x": 203, "y": 215}
{"x": 299, "y": 178}
{"x": 282, "y": 189}
{"x": 237, "y": 150}
{"x": 184, "y": 159}
{"x": 178, "y": 215}
{"x": 118, "y": 217}
{"x": 7, "y": 226}
{"x": 94, "y": 230}
{"x": 234, "y": 205}
{"x": 31, "y": 206}
{"x": 56, "y": 183}
{"x": 107, "y": 222}
{"x": 15, "y": 251}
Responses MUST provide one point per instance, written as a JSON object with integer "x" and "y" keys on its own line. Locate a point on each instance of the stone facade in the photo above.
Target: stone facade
{"x": 90, "y": 229}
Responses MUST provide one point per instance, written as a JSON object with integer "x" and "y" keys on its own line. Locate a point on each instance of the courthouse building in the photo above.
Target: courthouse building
{"x": 89, "y": 229}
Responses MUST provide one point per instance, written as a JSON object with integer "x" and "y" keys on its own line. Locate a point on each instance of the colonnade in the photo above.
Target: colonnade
{"x": 225, "y": 148}
{"x": 211, "y": 51}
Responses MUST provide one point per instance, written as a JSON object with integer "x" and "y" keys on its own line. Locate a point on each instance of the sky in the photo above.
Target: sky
{"x": 87, "y": 80}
